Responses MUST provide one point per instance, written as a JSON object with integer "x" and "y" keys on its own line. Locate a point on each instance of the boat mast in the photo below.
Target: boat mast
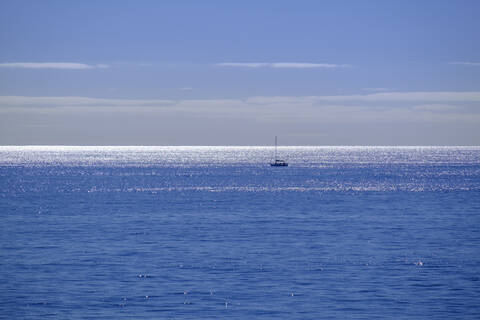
{"x": 275, "y": 147}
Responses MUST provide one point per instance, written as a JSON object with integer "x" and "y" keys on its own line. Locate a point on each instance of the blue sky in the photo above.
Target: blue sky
{"x": 237, "y": 73}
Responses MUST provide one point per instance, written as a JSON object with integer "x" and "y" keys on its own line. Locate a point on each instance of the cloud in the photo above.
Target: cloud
{"x": 466, "y": 63}
{"x": 56, "y": 102}
{"x": 436, "y": 108}
{"x": 307, "y": 65}
{"x": 428, "y": 98}
{"x": 295, "y": 65}
{"x": 52, "y": 65}
{"x": 396, "y": 107}
{"x": 446, "y": 96}
{"x": 378, "y": 89}
{"x": 431, "y": 96}
{"x": 243, "y": 64}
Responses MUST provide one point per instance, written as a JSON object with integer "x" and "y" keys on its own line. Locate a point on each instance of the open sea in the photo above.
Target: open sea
{"x": 216, "y": 233}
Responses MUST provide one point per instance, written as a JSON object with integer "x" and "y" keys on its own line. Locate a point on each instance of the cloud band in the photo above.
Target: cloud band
{"x": 293, "y": 65}
{"x": 52, "y": 65}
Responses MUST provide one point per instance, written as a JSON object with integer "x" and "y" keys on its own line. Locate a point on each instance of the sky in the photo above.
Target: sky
{"x": 239, "y": 72}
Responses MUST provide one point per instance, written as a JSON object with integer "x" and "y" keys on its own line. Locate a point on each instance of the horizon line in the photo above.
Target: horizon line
{"x": 209, "y": 146}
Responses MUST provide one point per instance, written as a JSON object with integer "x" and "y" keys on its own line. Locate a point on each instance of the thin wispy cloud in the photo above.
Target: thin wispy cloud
{"x": 307, "y": 65}
{"x": 378, "y": 89}
{"x": 466, "y": 63}
{"x": 294, "y": 65}
{"x": 52, "y": 65}
{"x": 55, "y": 102}
{"x": 243, "y": 64}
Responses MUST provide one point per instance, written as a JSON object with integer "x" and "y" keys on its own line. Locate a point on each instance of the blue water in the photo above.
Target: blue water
{"x": 216, "y": 233}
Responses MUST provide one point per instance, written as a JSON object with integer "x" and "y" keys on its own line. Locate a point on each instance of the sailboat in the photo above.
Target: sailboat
{"x": 278, "y": 162}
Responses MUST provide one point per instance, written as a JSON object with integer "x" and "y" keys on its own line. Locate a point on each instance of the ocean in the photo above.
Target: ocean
{"x": 216, "y": 233}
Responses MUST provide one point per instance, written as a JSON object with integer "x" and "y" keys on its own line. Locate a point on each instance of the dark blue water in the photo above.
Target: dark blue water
{"x": 215, "y": 232}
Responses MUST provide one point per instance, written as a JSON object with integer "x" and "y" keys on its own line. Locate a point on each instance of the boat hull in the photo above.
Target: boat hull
{"x": 279, "y": 164}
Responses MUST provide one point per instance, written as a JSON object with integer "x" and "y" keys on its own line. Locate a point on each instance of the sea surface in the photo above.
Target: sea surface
{"x": 216, "y": 233}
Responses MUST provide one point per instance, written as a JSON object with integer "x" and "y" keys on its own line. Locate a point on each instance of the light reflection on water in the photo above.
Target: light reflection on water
{"x": 215, "y": 232}
{"x": 218, "y": 155}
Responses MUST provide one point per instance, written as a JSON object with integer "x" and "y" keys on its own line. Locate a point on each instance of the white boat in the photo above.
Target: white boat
{"x": 277, "y": 162}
